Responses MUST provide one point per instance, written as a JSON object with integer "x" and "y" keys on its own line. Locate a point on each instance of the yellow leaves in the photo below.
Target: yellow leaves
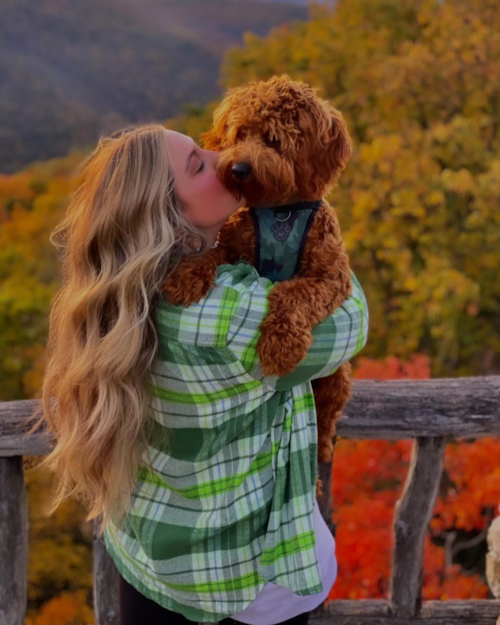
{"x": 385, "y": 167}
{"x": 435, "y": 198}
{"x": 410, "y": 283}
{"x": 427, "y": 165}
{"x": 487, "y": 201}
{"x": 427, "y": 12}
{"x": 365, "y": 202}
{"x": 460, "y": 181}
{"x": 441, "y": 132}
{"x": 406, "y": 201}
{"x": 438, "y": 298}
{"x": 449, "y": 290}
{"x": 384, "y": 147}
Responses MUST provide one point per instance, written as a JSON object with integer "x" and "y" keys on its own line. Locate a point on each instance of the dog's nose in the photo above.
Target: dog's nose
{"x": 241, "y": 171}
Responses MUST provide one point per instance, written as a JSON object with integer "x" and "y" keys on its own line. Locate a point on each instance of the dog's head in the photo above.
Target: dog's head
{"x": 278, "y": 142}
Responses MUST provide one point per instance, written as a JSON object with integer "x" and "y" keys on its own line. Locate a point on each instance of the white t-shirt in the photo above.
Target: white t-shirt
{"x": 275, "y": 604}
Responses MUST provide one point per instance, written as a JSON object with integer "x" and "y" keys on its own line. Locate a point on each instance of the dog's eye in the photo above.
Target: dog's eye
{"x": 241, "y": 134}
{"x": 273, "y": 143}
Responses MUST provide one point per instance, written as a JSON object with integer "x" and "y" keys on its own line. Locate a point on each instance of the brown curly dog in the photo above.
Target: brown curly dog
{"x": 283, "y": 148}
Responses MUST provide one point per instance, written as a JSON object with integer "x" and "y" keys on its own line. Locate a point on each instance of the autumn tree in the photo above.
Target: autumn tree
{"x": 418, "y": 83}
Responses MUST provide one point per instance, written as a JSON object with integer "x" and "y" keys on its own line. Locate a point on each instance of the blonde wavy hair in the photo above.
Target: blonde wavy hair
{"x": 123, "y": 226}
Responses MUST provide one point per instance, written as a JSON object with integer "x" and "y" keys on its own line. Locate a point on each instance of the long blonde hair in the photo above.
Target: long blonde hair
{"x": 123, "y": 225}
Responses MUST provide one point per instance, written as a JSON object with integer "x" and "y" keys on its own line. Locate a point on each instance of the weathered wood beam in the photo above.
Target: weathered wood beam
{"x": 466, "y": 407}
{"x": 13, "y": 542}
{"x": 13, "y": 430}
{"x": 378, "y": 612}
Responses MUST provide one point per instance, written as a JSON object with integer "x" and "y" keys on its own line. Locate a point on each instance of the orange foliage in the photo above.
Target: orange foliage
{"x": 391, "y": 368}
{"x": 68, "y": 608}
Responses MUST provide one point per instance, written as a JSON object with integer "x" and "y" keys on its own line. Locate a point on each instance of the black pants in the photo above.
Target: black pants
{"x": 136, "y": 609}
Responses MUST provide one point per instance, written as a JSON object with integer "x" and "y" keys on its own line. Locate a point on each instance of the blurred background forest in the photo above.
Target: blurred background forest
{"x": 418, "y": 82}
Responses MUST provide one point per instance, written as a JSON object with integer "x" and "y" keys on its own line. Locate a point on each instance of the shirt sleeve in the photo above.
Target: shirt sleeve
{"x": 335, "y": 340}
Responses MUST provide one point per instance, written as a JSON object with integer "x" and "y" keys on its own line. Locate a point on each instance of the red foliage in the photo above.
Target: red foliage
{"x": 368, "y": 478}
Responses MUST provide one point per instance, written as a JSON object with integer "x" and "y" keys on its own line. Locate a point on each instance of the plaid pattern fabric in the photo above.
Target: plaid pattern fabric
{"x": 229, "y": 503}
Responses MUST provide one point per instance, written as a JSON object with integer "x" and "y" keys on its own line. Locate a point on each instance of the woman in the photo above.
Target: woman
{"x": 203, "y": 469}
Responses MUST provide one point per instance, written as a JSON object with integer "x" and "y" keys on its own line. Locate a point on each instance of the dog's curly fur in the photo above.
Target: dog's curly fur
{"x": 297, "y": 145}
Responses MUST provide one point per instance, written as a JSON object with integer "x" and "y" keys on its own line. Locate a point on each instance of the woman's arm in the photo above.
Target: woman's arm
{"x": 229, "y": 316}
{"x": 335, "y": 340}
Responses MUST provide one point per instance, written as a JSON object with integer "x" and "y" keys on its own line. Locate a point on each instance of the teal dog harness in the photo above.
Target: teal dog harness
{"x": 280, "y": 236}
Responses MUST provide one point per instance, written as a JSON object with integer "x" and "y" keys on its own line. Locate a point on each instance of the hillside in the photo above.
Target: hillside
{"x": 73, "y": 70}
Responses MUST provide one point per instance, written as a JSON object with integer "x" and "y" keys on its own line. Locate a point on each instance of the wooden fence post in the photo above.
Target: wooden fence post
{"x": 106, "y": 583}
{"x": 411, "y": 519}
{"x": 13, "y": 542}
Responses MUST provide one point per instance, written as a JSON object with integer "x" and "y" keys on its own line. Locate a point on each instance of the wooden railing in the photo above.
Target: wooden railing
{"x": 428, "y": 411}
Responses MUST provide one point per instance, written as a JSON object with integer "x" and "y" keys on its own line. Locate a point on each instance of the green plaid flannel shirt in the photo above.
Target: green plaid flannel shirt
{"x": 229, "y": 504}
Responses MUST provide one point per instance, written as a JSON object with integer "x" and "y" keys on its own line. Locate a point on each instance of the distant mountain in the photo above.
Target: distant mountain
{"x": 299, "y": 2}
{"x": 73, "y": 69}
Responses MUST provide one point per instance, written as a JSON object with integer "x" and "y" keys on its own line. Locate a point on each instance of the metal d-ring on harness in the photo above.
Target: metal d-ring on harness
{"x": 281, "y": 230}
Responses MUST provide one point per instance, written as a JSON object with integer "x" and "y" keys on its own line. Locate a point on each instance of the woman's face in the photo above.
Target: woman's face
{"x": 208, "y": 204}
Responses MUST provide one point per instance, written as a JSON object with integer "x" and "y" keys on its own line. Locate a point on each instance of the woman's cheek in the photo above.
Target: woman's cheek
{"x": 220, "y": 198}
{"x": 215, "y": 186}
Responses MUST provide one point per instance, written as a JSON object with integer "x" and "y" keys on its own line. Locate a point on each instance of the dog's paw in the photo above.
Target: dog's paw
{"x": 319, "y": 487}
{"x": 325, "y": 451}
{"x": 188, "y": 284}
{"x": 282, "y": 346}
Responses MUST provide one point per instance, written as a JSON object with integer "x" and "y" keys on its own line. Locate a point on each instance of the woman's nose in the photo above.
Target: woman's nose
{"x": 213, "y": 155}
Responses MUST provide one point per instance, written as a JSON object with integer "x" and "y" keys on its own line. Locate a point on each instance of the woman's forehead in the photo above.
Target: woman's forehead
{"x": 180, "y": 146}
{"x": 178, "y": 137}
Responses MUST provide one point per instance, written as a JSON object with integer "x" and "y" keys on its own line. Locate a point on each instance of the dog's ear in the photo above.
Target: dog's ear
{"x": 339, "y": 144}
{"x": 328, "y": 147}
{"x": 210, "y": 140}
